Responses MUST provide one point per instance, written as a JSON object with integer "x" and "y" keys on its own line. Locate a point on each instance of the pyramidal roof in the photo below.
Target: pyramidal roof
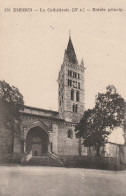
{"x": 70, "y": 53}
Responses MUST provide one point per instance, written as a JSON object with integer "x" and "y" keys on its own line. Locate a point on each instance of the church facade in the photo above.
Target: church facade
{"x": 47, "y": 137}
{"x": 45, "y": 132}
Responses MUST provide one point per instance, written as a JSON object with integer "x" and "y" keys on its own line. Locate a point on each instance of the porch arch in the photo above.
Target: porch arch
{"x": 37, "y": 141}
{"x": 42, "y": 130}
{"x": 36, "y": 124}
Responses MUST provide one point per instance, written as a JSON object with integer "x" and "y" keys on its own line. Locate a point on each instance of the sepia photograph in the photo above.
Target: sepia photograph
{"x": 62, "y": 98}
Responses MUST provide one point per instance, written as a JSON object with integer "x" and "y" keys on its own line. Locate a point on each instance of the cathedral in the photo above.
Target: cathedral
{"x": 47, "y": 137}
{"x": 47, "y": 133}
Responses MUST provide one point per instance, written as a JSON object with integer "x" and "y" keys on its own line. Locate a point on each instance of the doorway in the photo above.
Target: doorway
{"x": 37, "y": 141}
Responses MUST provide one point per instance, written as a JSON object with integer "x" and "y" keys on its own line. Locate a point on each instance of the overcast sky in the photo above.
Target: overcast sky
{"x": 32, "y": 48}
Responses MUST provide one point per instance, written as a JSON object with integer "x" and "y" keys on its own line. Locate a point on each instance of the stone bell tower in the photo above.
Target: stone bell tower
{"x": 71, "y": 86}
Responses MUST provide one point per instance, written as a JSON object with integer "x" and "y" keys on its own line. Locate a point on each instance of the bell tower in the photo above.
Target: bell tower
{"x": 71, "y": 86}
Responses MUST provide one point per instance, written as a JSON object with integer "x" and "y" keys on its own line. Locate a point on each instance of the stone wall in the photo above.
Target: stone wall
{"x": 60, "y": 144}
{"x": 57, "y": 129}
{"x": 68, "y": 114}
{"x": 109, "y": 150}
{"x": 112, "y": 150}
{"x": 65, "y": 102}
{"x": 28, "y": 119}
{"x": 17, "y": 145}
{"x": 54, "y": 139}
{"x": 108, "y": 163}
{"x": 122, "y": 154}
{"x": 67, "y": 146}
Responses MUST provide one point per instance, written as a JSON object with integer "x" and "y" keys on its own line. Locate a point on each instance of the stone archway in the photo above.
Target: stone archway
{"x": 37, "y": 141}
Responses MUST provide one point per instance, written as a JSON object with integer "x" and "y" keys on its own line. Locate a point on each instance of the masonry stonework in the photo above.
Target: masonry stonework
{"x": 44, "y": 131}
{"x": 71, "y": 86}
{"x": 47, "y": 133}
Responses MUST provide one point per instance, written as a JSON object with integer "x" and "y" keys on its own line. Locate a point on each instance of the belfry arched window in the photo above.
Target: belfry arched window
{"x": 77, "y": 96}
{"x": 72, "y": 94}
{"x": 75, "y": 108}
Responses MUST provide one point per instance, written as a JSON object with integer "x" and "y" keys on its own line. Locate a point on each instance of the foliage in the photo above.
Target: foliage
{"x": 11, "y": 97}
{"x": 97, "y": 123}
{"x": 13, "y": 100}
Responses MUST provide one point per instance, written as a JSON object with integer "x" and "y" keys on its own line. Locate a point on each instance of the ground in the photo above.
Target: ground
{"x": 54, "y": 181}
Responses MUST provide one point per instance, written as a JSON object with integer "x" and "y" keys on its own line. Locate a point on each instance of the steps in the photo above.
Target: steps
{"x": 39, "y": 160}
{"x": 44, "y": 160}
{"x": 122, "y": 167}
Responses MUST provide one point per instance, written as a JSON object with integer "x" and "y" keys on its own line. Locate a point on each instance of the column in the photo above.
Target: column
{"x": 24, "y": 146}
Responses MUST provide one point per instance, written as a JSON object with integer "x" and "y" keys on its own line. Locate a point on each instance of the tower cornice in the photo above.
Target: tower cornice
{"x": 71, "y": 65}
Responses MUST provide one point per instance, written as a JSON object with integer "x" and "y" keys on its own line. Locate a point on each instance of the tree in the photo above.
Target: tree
{"x": 13, "y": 100}
{"x": 97, "y": 123}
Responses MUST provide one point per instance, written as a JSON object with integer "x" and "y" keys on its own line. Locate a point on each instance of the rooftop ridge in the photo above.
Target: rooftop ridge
{"x": 40, "y": 109}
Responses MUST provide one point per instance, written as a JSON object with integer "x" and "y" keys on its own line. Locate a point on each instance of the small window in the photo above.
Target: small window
{"x": 75, "y": 84}
{"x": 74, "y": 74}
{"x": 68, "y": 82}
{"x": 73, "y": 108}
{"x": 70, "y": 134}
{"x": 77, "y": 96}
{"x": 72, "y": 94}
{"x": 76, "y": 108}
{"x": 78, "y": 76}
{"x": 68, "y": 72}
{"x": 78, "y": 85}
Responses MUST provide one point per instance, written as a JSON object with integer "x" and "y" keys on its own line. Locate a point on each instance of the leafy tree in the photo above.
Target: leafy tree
{"x": 97, "y": 123}
{"x": 13, "y": 100}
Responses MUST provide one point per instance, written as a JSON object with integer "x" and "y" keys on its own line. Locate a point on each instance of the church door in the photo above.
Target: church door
{"x": 36, "y": 147}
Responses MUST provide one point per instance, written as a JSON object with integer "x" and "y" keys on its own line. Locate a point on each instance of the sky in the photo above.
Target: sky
{"x": 32, "y": 47}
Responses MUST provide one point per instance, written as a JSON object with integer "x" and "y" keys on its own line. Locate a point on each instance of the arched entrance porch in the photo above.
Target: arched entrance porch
{"x": 37, "y": 141}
